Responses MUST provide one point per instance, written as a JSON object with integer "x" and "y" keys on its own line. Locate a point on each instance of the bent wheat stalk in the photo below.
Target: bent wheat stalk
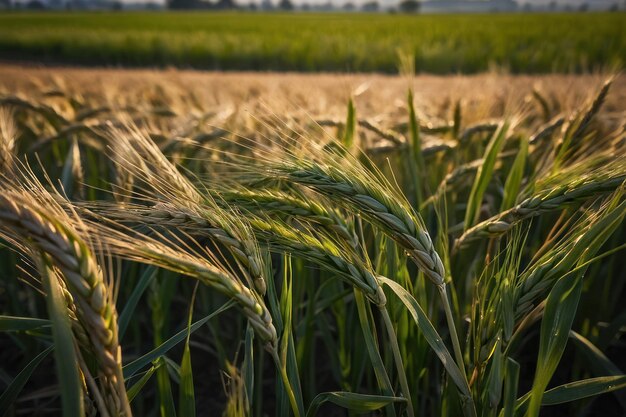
{"x": 287, "y": 206}
{"x": 24, "y": 221}
{"x": 168, "y": 254}
{"x": 191, "y": 218}
{"x": 143, "y": 160}
{"x": 555, "y": 198}
{"x": 205, "y": 268}
{"x": 364, "y": 193}
{"x": 343, "y": 180}
{"x": 322, "y": 252}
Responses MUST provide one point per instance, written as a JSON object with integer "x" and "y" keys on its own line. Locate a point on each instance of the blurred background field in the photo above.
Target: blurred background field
{"x": 441, "y": 44}
{"x": 250, "y": 94}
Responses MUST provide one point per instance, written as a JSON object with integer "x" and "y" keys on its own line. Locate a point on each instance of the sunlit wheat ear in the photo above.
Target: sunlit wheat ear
{"x": 93, "y": 399}
{"x": 274, "y": 232}
{"x": 546, "y": 131}
{"x": 50, "y": 231}
{"x": 321, "y": 251}
{"x": 286, "y": 206}
{"x": 345, "y": 182}
{"x": 519, "y": 291}
{"x": 586, "y": 237}
{"x": 8, "y": 137}
{"x": 182, "y": 256}
{"x": 571, "y": 186}
{"x": 577, "y": 141}
{"x": 592, "y": 110}
{"x": 31, "y": 256}
{"x": 192, "y": 219}
{"x": 169, "y": 192}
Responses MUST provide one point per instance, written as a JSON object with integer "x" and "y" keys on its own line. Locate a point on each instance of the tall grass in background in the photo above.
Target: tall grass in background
{"x": 401, "y": 266}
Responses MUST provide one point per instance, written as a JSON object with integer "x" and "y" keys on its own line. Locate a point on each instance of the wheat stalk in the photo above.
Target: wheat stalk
{"x": 586, "y": 235}
{"x": 358, "y": 190}
{"x": 345, "y": 181}
{"x": 24, "y": 220}
{"x": 546, "y": 131}
{"x": 322, "y": 252}
{"x": 190, "y": 219}
{"x": 593, "y": 109}
{"x": 169, "y": 253}
{"x": 580, "y": 188}
{"x": 286, "y": 205}
{"x": 141, "y": 158}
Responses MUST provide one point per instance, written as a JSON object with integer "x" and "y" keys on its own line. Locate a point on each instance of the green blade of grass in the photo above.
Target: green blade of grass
{"x": 64, "y": 349}
{"x": 456, "y": 120}
{"x": 138, "y": 386}
{"x": 357, "y": 403}
{"x": 416, "y": 161}
{"x": 146, "y": 279}
{"x": 511, "y": 380}
{"x": 430, "y": 334}
{"x": 584, "y": 389}
{"x": 495, "y": 377}
{"x": 21, "y": 324}
{"x": 484, "y": 174}
{"x": 133, "y": 367}
{"x": 574, "y": 391}
{"x": 350, "y": 128}
{"x": 514, "y": 179}
{"x": 248, "y": 367}
{"x": 187, "y": 398}
{"x": 380, "y": 371}
{"x": 557, "y": 321}
{"x": 288, "y": 361}
{"x": 187, "y": 402}
{"x": 71, "y": 165}
{"x": 161, "y": 299}
{"x": 166, "y": 397}
{"x": 11, "y": 393}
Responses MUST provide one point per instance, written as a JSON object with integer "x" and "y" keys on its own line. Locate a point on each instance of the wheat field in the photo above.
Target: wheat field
{"x": 176, "y": 243}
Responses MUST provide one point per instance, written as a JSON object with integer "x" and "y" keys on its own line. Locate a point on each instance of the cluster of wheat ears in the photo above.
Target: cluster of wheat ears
{"x": 410, "y": 267}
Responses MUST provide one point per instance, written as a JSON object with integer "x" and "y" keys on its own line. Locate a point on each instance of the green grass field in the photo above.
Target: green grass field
{"x": 520, "y": 43}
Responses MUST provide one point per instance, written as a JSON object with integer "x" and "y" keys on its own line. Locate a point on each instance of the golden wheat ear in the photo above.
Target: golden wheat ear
{"x": 174, "y": 198}
{"x": 29, "y": 224}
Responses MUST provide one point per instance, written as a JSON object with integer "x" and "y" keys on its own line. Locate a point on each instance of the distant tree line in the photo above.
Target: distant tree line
{"x": 405, "y": 6}
{"x": 370, "y": 6}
